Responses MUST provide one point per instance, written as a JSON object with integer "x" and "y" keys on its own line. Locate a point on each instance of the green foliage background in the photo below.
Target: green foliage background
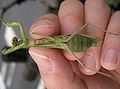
{"x": 113, "y": 1}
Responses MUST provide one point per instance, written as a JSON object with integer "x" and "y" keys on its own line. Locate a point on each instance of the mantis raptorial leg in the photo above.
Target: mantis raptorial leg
{"x": 16, "y": 24}
{"x": 25, "y": 41}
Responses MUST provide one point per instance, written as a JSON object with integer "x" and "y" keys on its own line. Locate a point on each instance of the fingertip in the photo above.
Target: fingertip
{"x": 45, "y": 25}
{"x": 91, "y": 65}
{"x": 110, "y": 59}
{"x": 109, "y": 66}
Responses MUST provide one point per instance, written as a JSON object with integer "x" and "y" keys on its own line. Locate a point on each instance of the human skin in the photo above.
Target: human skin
{"x": 58, "y": 69}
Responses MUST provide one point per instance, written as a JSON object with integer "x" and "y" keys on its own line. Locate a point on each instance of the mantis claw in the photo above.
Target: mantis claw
{"x": 16, "y": 44}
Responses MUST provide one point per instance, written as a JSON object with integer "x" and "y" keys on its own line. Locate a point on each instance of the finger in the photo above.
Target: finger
{"x": 55, "y": 70}
{"x": 71, "y": 17}
{"x": 51, "y": 63}
{"x": 111, "y": 47}
{"x": 45, "y": 25}
{"x": 97, "y": 12}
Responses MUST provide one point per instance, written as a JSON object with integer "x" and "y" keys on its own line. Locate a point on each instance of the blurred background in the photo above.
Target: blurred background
{"x": 18, "y": 70}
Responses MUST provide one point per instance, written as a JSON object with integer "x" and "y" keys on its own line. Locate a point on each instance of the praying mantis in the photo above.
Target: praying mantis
{"x": 72, "y": 43}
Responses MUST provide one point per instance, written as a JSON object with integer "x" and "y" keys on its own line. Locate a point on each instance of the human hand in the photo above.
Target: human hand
{"x": 60, "y": 73}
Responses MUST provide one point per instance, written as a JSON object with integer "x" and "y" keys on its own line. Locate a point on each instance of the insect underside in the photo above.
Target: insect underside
{"x": 72, "y": 43}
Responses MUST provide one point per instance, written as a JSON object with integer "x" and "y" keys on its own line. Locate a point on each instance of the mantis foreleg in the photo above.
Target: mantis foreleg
{"x": 25, "y": 41}
{"x": 17, "y": 24}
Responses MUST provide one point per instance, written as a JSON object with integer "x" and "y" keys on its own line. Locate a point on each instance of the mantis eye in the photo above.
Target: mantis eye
{"x": 14, "y": 41}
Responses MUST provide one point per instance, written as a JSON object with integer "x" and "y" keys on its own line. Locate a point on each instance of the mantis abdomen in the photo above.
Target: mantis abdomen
{"x": 81, "y": 42}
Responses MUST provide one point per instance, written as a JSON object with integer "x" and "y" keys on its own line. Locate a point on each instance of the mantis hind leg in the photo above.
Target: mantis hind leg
{"x": 89, "y": 24}
{"x": 102, "y": 29}
{"x": 85, "y": 66}
{"x": 82, "y": 28}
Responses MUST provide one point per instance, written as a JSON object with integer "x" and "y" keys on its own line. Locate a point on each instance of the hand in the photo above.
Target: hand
{"x": 56, "y": 67}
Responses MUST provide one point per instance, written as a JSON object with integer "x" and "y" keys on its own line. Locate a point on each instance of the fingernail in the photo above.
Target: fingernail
{"x": 89, "y": 62}
{"x": 110, "y": 59}
{"x": 42, "y": 61}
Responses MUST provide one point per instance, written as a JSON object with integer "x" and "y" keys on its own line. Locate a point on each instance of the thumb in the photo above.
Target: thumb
{"x": 55, "y": 70}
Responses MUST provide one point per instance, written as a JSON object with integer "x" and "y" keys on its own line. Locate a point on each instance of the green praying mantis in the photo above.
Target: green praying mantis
{"x": 72, "y": 43}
